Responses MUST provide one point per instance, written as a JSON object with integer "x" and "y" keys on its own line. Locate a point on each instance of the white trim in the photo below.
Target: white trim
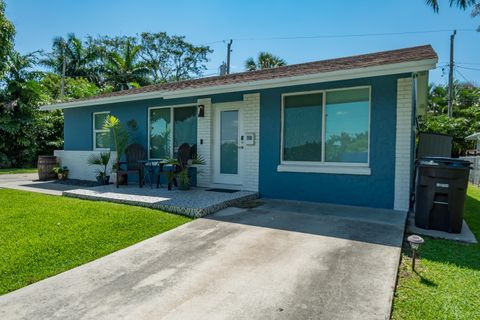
{"x": 395, "y": 68}
{"x": 337, "y": 169}
{"x": 324, "y": 121}
{"x": 95, "y": 131}
{"x": 403, "y": 144}
{"x": 171, "y": 107}
{"x": 323, "y": 163}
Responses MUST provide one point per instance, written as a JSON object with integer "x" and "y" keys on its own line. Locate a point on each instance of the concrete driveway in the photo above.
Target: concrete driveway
{"x": 282, "y": 260}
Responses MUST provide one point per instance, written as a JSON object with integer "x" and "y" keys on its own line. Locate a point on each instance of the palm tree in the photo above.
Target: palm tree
{"x": 265, "y": 60}
{"x": 476, "y": 13}
{"x": 122, "y": 67}
{"x": 80, "y": 58}
{"x": 462, "y": 4}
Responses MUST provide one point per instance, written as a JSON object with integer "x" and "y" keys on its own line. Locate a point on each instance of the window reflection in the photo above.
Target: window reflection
{"x": 302, "y": 128}
{"x": 160, "y": 133}
{"x": 346, "y": 126}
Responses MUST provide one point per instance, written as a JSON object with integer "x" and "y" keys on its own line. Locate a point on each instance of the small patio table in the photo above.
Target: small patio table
{"x": 148, "y": 167}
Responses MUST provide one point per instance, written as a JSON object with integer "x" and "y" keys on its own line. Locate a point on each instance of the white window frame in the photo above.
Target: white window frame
{"x": 323, "y": 166}
{"x": 95, "y": 131}
{"x": 171, "y": 107}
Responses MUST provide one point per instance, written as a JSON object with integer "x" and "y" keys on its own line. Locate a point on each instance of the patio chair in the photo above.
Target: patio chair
{"x": 133, "y": 154}
{"x": 183, "y": 155}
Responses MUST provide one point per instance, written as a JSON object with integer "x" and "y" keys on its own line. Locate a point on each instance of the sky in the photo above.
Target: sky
{"x": 313, "y": 25}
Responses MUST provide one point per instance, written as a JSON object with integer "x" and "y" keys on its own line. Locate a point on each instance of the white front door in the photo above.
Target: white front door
{"x": 228, "y": 144}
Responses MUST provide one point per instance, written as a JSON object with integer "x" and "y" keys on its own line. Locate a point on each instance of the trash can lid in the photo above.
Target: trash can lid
{"x": 451, "y": 162}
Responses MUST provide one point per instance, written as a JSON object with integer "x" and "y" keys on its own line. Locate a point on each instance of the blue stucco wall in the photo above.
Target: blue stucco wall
{"x": 78, "y": 130}
{"x": 375, "y": 190}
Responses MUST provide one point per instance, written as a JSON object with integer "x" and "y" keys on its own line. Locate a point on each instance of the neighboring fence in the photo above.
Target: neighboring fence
{"x": 475, "y": 172}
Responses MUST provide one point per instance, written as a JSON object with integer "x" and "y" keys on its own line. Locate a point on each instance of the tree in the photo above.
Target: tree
{"x": 81, "y": 58}
{"x": 18, "y": 101}
{"x": 122, "y": 67}
{"x": 171, "y": 58}
{"x": 25, "y": 130}
{"x": 465, "y": 119}
{"x": 476, "y": 13}
{"x": 265, "y": 60}
{"x": 49, "y": 124}
{"x": 462, "y": 4}
{"x": 7, "y": 35}
{"x": 75, "y": 88}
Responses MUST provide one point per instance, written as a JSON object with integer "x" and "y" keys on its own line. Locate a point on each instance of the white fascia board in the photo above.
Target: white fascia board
{"x": 397, "y": 68}
{"x": 107, "y": 100}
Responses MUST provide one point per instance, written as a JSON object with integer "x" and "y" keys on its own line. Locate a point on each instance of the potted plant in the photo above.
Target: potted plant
{"x": 120, "y": 140}
{"x": 101, "y": 159}
{"x": 61, "y": 172}
{"x": 184, "y": 174}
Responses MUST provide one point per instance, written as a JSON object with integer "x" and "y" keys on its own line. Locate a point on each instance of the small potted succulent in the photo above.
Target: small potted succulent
{"x": 102, "y": 159}
{"x": 61, "y": 172}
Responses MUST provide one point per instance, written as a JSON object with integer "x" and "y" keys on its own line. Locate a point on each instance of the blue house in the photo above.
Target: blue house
{"x": 339, "y": 131}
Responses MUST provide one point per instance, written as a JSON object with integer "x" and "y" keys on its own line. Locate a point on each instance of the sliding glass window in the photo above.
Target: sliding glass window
{"x": 184, "y": 127}
{"x": 346, "y": 126}
{"x": 302, "y": 127}
{"x": 170, "y": 128}
{"x": 327, "y": 127}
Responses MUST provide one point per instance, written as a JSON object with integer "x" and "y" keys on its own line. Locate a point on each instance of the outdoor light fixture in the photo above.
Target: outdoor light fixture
{"x": 201, "y": 111}
{"x": 415, "y": 242}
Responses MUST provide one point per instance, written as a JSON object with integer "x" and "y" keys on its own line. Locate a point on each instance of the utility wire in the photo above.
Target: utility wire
{"x": 468, "y": 68}
{"x": 340, "y": 35}
{"x": 469, "y": 63}
{"x": 461, "y": 74}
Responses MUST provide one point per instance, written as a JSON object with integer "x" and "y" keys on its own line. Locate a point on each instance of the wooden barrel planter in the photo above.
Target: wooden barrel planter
{"x": 45, "y": 167}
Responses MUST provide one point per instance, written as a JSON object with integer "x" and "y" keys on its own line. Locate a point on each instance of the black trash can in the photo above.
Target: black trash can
{"x": 440, "y": 191}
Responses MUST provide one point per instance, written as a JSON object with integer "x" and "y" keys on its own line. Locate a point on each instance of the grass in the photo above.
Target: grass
{"x": 17, "y": 170}
{"x": 42, "y": 235}
{"x": 447, "y": 282}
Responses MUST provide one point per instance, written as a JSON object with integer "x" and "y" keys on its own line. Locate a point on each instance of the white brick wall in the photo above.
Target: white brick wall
{"x": 205, "y": 149}
{"x": 76, "y": 161}
{"x": 251, "y": 124}
{"x": 403, "y": 144}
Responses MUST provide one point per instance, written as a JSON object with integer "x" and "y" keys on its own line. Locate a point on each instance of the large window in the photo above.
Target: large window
{"x": 101, "y": 136}
{"x": 302, "y": 127}
{"x": 170, "y": 127}
{"x": 327, "y": 127}
{"x": 346, "y": 126}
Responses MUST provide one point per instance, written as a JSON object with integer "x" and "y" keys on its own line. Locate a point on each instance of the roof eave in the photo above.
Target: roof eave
{"x": 387, "y": 69}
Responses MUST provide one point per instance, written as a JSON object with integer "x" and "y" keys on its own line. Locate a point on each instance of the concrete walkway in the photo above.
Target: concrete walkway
{"x": 30, "y": 182}
{"x": 282, "y": 260}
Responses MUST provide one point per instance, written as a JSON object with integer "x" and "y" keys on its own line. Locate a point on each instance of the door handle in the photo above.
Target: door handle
{"x": 240, "y": 147}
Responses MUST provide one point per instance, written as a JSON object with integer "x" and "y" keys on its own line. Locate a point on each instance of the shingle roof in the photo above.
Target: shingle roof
{"x": 353, "y": 62}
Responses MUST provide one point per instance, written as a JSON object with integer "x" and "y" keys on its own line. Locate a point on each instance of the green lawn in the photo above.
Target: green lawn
{"x": 43, "y": 235}
{"x": 17, "y": 170}
{"x": 447, "y": 285}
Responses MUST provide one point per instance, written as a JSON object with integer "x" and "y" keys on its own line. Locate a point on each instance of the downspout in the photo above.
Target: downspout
{"x": 415, "y": 130}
